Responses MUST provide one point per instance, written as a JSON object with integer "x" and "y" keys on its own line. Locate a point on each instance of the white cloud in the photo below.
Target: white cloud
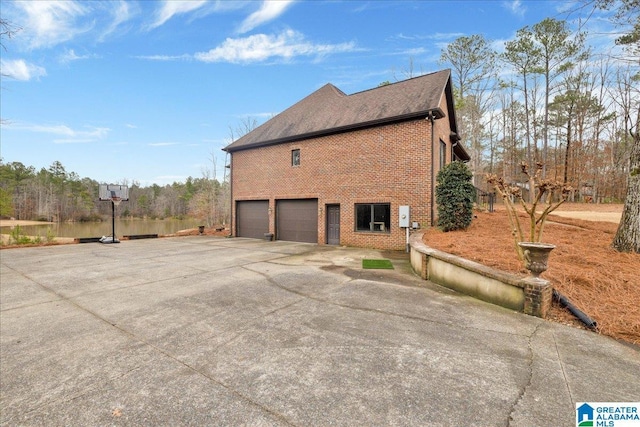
{"x": 91, "y": 133}
{"x": 416, "y": 51}
{"x": 170, "y": 8}
{"x": 164, "y": 57}
{"x": 121, "y": 13}
{"x": 430, "y": 36}
{"x": 445, "y": 36}
{"x": 568, "y": 6}
{"x": 19, "y": 69}
{"x": 48, "y": 23}
{"x": 70, "y": 55}
{"x": 260, "y": 47}
{"x": 73, "y": 141}
{"x": 269, "y": 10}
{"x": 515, "y": 6}
{"x": 162, "y": 144}
{"x": 499, "y": 44}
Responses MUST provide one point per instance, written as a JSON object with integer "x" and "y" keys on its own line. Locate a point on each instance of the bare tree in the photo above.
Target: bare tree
{"x": 473, "y": 63}
{"x": 627, "y": 19}
{"x": 7, "y": 31}
{"x": 245, "y": 126}
{"x": 627, "y": 238}
{"x": 558, "y": 47}
{"x": 524, "y": 56}
{"x": 407, "y": 72}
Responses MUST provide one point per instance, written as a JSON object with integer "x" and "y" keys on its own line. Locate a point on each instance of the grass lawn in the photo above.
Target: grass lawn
{"x": 377, "y": 263}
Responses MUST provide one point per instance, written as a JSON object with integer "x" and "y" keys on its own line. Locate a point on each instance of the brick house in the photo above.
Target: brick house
{"x": 336, "y": 168}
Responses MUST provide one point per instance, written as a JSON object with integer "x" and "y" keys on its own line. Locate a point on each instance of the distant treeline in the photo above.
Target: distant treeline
{"x": 55, "y": 195}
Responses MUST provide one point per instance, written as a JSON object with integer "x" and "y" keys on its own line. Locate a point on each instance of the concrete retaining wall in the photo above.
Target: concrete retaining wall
{"x": 529, "y": 295}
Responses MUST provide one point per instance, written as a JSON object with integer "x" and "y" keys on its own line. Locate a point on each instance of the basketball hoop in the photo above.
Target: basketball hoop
{"x": 116, "y": 194}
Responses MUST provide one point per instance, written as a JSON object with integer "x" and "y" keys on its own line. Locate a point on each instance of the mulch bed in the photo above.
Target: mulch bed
{"x": 603, "y": 283}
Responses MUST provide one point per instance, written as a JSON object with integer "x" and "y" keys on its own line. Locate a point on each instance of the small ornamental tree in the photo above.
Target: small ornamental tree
{"x": 548, "y": 196}
{"x": 454, "y": 196}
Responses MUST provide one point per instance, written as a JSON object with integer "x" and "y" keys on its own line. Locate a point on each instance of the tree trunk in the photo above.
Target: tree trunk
{"x": 566, "y": 155}
{"x": 627, "y": 238}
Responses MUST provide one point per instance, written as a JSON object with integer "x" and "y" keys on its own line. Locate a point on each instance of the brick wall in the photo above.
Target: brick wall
{"x": 384, "y": 164}
{"x": 538, "y": 294}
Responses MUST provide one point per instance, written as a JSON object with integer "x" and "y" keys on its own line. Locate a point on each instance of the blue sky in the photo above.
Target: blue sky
{"x": 147, "y": 91}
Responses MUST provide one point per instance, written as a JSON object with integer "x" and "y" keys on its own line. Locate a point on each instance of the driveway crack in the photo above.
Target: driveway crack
{"x": 525, "y": 387}
{"x": 275, "y": 283}
{"x": 564, "y": 373}
{"x": 166, "y": 353}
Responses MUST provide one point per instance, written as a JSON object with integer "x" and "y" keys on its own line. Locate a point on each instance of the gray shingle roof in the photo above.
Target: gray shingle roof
{"x": 329, "y": 110}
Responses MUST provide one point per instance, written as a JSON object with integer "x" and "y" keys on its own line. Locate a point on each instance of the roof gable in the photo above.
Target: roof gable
{"x": 329, "y": 110}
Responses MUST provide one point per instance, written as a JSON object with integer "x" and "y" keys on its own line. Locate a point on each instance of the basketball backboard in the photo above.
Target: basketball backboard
{"x": 107, "y": 192}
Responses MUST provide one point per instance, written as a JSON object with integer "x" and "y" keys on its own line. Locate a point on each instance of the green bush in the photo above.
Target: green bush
{"x": 454, "y": 196}
{"x": 50, "y": 236}
{"x": 17, "y": 237}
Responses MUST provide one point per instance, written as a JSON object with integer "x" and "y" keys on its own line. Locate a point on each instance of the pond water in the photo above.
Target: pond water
{"x": 98, "y": 229}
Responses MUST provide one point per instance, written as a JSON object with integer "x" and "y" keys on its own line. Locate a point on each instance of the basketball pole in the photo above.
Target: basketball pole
{"x": 113, "y": 222}
{"x": 114, "y": 194}
{"x": 115, "y": 201}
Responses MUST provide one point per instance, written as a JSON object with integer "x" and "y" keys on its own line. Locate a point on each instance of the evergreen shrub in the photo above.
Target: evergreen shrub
{"x": 454, "y": 196}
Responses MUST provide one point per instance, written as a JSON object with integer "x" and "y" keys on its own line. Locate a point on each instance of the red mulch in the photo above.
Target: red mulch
{"x": 603, "y": 283}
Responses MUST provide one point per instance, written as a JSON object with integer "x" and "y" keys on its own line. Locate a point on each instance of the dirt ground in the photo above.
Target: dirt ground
{"x": 601, "y": 282}
{"x": 21, "y": 222}
{"x": 217, "y": 231}
{"x": 5, "y": 238}
{"x": 592, "y": 211}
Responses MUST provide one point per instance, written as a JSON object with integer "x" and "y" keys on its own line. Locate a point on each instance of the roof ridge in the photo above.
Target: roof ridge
{"x": 336, "y": 88}
{"x": 448, "y": 70}
{"x": 328, "y": 110}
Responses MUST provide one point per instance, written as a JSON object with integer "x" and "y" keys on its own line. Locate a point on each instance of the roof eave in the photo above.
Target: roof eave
{"x": 437, "y": 113}
{"x": 461, "y": 153}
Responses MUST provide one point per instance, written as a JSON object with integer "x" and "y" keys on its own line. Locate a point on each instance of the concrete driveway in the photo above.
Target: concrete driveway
{"x": 213, "y": 331}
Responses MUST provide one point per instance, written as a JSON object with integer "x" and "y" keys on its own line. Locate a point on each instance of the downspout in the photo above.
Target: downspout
{"x": 564, "y": 301}
{"x": 433, "y": 185}
{"x": 232, "y": 223}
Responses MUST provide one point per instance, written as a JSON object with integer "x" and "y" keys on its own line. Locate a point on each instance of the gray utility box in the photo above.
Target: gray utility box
{"x": 403, "y": 217}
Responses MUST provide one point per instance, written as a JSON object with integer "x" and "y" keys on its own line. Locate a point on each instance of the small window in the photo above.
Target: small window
{"x": 374, "y": 217}
{"x": 443, "y": 154}
{"x": 295, "y": 157}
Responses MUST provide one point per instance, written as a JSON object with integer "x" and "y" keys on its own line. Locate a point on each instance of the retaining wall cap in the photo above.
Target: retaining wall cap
{"x": 416, "y": 243}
